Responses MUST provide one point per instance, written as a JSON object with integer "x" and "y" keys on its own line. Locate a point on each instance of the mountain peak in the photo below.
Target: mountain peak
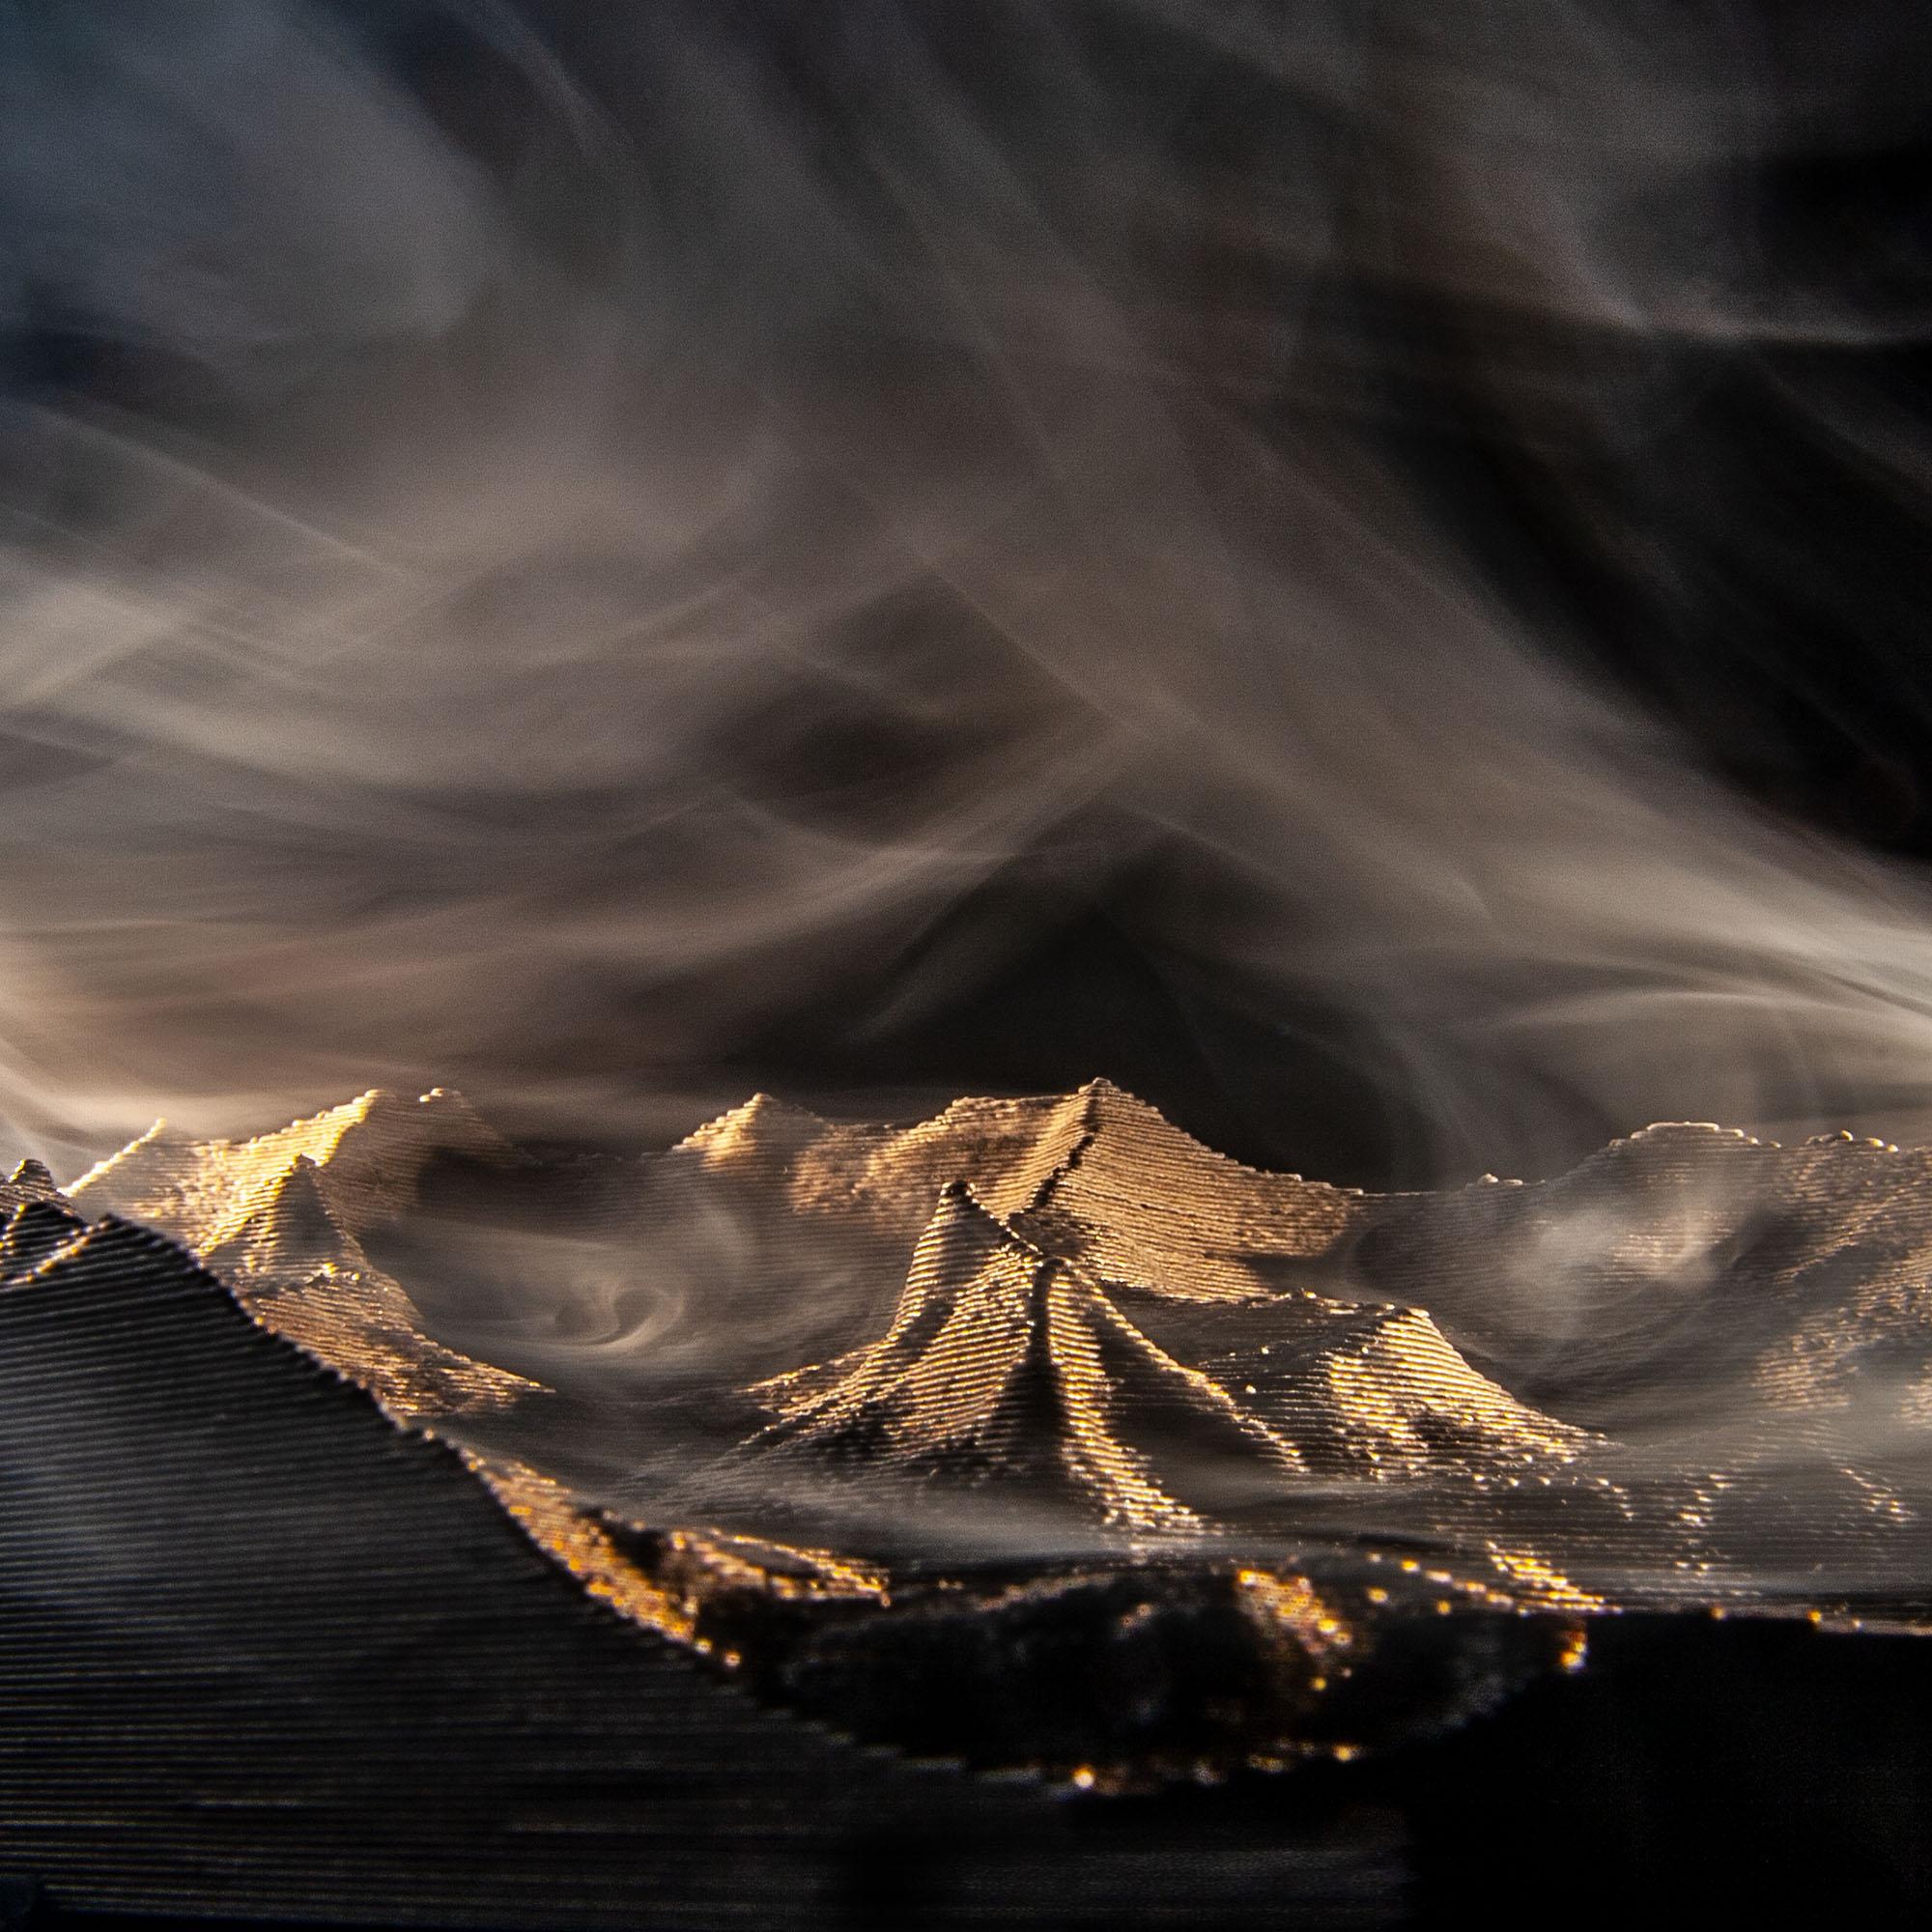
{"x": 762, "y": 1128}
{"x": 31, "y": 1176}
{"x": 1004, "y": 1364}
{"x": 372, "y": 1149}
{"x": 292, "y": 1234}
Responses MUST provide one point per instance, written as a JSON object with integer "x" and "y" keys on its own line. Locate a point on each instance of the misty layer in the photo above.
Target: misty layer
{"x": 865, "y": 1413}
{"x": 572, "y": 554}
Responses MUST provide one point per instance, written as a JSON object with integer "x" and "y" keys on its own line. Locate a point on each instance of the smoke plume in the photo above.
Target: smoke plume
{"x": 579, "y": 551}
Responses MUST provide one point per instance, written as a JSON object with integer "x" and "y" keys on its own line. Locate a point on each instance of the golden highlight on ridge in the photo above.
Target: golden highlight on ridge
{"x": 796, "y": 1389}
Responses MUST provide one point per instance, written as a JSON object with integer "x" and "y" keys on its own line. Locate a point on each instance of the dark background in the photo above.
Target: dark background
{"x": 1649, "y": 373}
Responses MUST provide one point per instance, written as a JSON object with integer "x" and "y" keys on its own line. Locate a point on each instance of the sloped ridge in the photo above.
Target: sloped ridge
{"x": 1138, "y": 1409}
{"x": 1140, "y": 1202}
{"x": 1096, "y": 1176}
{"x": 1365, "y": 1392}
{"x": 969, "y": 1382}
{"x": 373, "y": 1151}
{"x": 761, "y": 1133}
{"x": 268, "y": 1654}
{"x": 35, "y": 1231}
{"x": 1004, "y": 1364}
{"x": 281, "y": 1216}
{"x": 362, "y": 1323}
{"x": 1410, "y": 1401}
{"x": 292, "y": 1232}
{"x": 30, "y": 1184}
{"x": 961, "y": 1243}
{"x": 1011, "y": 1150}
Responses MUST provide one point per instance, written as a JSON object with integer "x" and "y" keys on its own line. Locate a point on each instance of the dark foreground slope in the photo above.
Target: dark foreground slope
{"x": 263, "y": 1654}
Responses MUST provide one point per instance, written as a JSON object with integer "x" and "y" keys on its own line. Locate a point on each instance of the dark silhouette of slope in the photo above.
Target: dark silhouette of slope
{"x": 262, "y": 1654}
{"x": 35, "y": 1230}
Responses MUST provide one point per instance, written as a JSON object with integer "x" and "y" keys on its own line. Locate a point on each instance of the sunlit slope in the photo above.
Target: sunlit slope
{"x": 1008, "y": 1366}
{"x": 281, "y": 1217}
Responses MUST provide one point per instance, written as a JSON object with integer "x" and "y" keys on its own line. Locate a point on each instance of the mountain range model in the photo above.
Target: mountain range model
{"x": 393, "y": 1519}
{"x": 1037, "y": 1434}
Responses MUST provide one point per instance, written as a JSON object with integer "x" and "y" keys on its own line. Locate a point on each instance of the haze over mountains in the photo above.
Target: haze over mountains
{"x": 840, "y": 1406}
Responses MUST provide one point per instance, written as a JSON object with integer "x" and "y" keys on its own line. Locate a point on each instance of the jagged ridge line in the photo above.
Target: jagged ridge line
{"x": 595, "y": 1566}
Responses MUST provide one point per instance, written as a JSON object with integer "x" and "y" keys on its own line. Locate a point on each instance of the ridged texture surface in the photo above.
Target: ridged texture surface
{"x": 264, "y": 1654}
{"x": 856, "y": 1413}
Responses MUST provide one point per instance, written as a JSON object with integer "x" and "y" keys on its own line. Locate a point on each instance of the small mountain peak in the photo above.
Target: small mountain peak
{"x": 1115, "y": 1114}
{"x": 374, "y": 1105}
{"x": 1664, "y": 1144}
{"x": 1404, "y": 1393}
{"x": 344, "y": 1115}
{"x": 763, "y": 1125}
{"x": 958, "y": 1206}
{"x": 32, "y": 1177}
{"x": 446, "y": 1114}
{"x": 449, "y": 1101}
{"x": 297, "y": 1222}
{"x": 293, "y": 1233}
{"x": 1104, "y": 1097}
{"x": 959, "y": 1209}
{"x": 963, "y": 1238}
{"x": 35, "y": 1231}
{"x": 300, "y": 1187}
